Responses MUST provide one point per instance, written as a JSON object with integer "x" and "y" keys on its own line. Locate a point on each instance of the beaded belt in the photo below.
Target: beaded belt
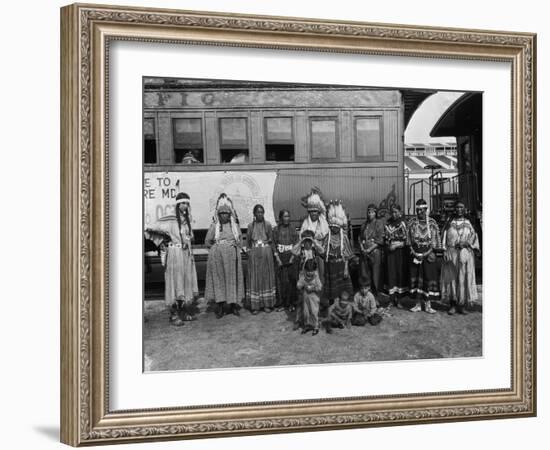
{"x": 284, "y": 248}
{"x": 184, "y": 246}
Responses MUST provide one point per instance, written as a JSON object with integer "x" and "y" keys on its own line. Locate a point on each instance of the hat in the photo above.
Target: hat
{"x": 189, "y": 158}
{"x": 372, "y": 207}
{"x": 336, "y": 215}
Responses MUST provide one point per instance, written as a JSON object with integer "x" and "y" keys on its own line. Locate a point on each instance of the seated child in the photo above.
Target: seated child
{"x": 364, "y": 304}
{"x": 340, "y": 312}
{"x": 309, "y": 288}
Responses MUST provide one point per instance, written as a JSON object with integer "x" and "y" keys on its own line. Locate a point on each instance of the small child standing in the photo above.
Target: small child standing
{"x": 305, "y": 250}
{"x": 340, "y": 312}
{"x": 309, "y": 288}
{"x": 364, "y": 305}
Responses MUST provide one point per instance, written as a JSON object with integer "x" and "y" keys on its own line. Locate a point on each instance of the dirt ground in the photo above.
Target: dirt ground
{"x": 268, "y": 339}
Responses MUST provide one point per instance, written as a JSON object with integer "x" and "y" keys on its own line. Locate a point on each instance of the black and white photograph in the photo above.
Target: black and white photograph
{"x": 293, "y": 224}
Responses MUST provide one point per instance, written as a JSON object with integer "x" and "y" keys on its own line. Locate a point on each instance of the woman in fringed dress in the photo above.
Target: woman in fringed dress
{"x": 460, "y": 242}
{"x": 180, "y": 274}
{"x": 423, "y": 239}
{"x": 260, "y": 290}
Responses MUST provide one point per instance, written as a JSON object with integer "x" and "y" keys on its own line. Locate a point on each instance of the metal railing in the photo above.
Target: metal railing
{"x": 437, "y": 188}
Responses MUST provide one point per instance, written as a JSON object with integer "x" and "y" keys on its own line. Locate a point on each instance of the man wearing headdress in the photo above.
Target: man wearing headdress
{"x": 316, "y": 222}
{"x": 337, "y": 252}
{"x": 224, "y": 274}
{"x": 423, "y": 239}
{"x": 460, "y": 242}
{"x": 180, "y": 276}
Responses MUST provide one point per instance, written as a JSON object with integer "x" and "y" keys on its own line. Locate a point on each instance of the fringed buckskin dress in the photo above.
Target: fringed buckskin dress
{"x": 260, "y": 290}
{"x": 424, "y": 236}
{"x": 460, "y": 240}
{"x": 180, "y": 274}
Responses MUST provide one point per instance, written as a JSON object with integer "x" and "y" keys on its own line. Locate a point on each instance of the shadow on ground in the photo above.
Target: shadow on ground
{"x": 50, "y": 432}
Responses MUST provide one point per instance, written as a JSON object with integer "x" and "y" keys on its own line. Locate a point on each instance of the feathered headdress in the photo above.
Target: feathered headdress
{"x": 314, "y": 201}
{"x": 224, "y": 204}
{"x": 336, "y": 215}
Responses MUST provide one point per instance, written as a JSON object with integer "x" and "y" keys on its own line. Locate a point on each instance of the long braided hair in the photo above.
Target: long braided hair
{"x": 186, "y": 215}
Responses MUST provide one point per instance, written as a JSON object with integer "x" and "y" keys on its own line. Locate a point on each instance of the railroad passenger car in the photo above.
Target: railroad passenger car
{"x": 270, "y": 143}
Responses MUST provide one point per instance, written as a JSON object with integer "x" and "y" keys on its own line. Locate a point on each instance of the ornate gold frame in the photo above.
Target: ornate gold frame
{"x": 86, "y": 31}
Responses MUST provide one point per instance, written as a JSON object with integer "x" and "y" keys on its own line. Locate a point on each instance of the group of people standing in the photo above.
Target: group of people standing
{"x": 307, "y": 271}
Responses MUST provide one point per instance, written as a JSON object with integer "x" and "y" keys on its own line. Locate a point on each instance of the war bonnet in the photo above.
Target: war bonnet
{"x": 336, "y": 215}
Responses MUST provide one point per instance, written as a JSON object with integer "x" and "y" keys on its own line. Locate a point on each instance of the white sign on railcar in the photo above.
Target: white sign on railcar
{"x": 246, "y": 189}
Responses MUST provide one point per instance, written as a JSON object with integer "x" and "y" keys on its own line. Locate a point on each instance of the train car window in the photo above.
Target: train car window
{"x": 188, "y": 142}
{"x": 234, "y": 140}
{"x": 367, "y": 138}
{"x": 279, "y": 139}
{"x": 149, "y": 142}
{"x": 323, "y": 138}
